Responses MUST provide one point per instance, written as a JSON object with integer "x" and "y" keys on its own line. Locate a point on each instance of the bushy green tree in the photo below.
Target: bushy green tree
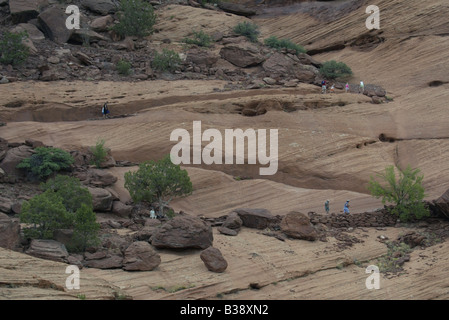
{"x": 248, "y": 29}
{"x": 46, "y": 161}
{"x": 334, "y": 70}
{"x": 99, "y": 153}
{"x": 274, "y": 42}
{"x": 136, "y": 18}
{"x": 12, "y": 50}
{"x": 85, "y": 229}
{"x": 72, "y": 193}
{"x": 404, "y": 190}
{"x": 158, "y": 181}
{"x": 167, "y": 60}
{"x": 43, "y": 214}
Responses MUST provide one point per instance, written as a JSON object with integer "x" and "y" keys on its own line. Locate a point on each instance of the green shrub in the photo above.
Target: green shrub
{"x": 278, "y": 44}
{"x": 405, "y": 191}
{"x": 247, "y": 29}
{"x": 99, "y": 153}
{"x": 72, "y": 193}
{"x": 45, "y": 213}
{"x": 123, "y": 67}
{"x": 12, "y": 50}
{"x": 136, "y": 18}
{"x": 46, "y": 161}
{"x": 334, "y": 70}
{"x": 85, "y": 229}
{"x": 167, "y": 60}
{"x": 158, "y": 181}
{"x": 200, "y": 39}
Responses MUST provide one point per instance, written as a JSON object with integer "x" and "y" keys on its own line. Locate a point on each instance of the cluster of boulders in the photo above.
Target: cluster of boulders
{"x": 93, "y": 51}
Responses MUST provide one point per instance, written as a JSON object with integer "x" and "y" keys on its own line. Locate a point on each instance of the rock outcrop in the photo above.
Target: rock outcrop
{"x": 140, "y": 256}
{"x": 297, "y": 225}
{"x": 9, "y": 232}
{"x": 256, "y": 218}
{"x": 244, "y": 54}
{"x": 48, "y": 249}
{"x": 183, "y": 232}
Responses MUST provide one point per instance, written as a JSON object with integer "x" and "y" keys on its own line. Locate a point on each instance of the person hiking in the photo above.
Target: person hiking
{"x": 326, "y": 206}
{"x": 332, "y": 88}
{"x": 346, "y": 207}
{"x": 323, "y": 86}
{"x": 347, "y": 87}
{"x": 105, "y": 110}
{"x": 362, "y": 87}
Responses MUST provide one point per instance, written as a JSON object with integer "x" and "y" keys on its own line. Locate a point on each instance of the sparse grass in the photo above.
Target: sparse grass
{"x": 390, "y": 262}
{"x": 247, "y": 29}
{"x": 81, "y": 296}
{"x": 200, "y": 38}
{"x": 274, "y": 42}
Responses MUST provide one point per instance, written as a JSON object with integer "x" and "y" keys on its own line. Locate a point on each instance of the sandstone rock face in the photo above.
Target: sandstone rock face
{"x": 101, "y": 199}
{"x": 52, "y": 21}
{"x": 297, "y": 225}
{"x": 213, "y": 260}
{"x": 48, "y": 249}
{"x": 9, "y": 232}
{"x": 242, "y": 55}
{"x": 140, "y": 256}
{"x": 236, "y": 8}
{"x": 256, "y": 218}
{"x": 12, "y": 158}
{"x": 183, "y": 232}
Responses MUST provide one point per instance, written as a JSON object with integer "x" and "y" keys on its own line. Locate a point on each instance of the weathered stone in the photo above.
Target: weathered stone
{"x": 237, "y": 9}
{"x": 183, "y": 232}
{"x": 9, "y": 232}
{"x": 101, "y": 199}
{"x": 233, "y": 221}
{"x": 12, "y": 158}
{"x": 112, "y": 261}
{"x": 52, "y": 21}
{"x": 48, "y": 249}
{"x": 32, "y": 31}
{"x": 5, "y": 204}
{"x": 102, "y": 7}
{"x": 297, "y": 225}
{"x": 242, "y": 55}
{"x": 256, "y": 218}
{"x": 227, "y": 231}
{"x": 102, "y": 24}
{"x": 202, "y": 57}
{"x": 25, "y": 10}
{"x": 213, "y": 260}
{"x": 101, "y": 178}
{"x": 140, "y": 256}
{"x": 120, "y": 209}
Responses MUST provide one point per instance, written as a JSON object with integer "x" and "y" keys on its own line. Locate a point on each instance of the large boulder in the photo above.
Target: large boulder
{"x": 288, "y": 65}
{"x": 25, "y": 10}
{"x": 256, "y": 218}
{"x": 12, "y": 158}
{"x": 48, "y": 249}
{"x": 9, "y": 232}
{"x": 5, "y": 204}
{"x": 244, "y": 54}
{"x": 183, "y": 232}
{"x": 140, "y": 256}
{"x": 237, "y": 9}
{"x": 213, "y": 260}
{"x": 297, "y": 225}
{"x": 441, "y": 205}
{"x": 52, "y": 22}
{"x": 33, "y": 32}
{"x": 202, "y": 57}
{"x": 102, "y": 24}
{"x": 102, "y": 7}
{"x": 101, "y": 178}
{"x": 120, "y": 209}
{"x": 101, "y": 199}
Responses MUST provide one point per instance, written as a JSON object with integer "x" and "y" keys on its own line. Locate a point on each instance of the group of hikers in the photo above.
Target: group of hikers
{"x": 324, "y": 84}
{"x": 345, "y": 207}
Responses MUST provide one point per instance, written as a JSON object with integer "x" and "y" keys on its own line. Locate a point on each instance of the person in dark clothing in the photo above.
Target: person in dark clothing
{"x": 105, "y": 110}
